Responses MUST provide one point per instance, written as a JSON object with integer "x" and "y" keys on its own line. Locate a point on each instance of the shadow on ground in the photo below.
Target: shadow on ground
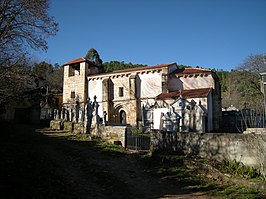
{"x": 38, "y": 165}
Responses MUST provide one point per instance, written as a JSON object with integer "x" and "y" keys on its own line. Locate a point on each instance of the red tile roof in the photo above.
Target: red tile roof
{"x": 78, "y": 60}
{"x": 202, "y": 92}
{"x": 143, "y": 68}
{"x": 190, "y": 71}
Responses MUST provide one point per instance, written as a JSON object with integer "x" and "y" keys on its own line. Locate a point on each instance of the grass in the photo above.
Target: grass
{"x": 238, "y": 169}
{"x": 96, "y": 143}
{"x": 108, "y": 148}
{"x": 172, "y": 168}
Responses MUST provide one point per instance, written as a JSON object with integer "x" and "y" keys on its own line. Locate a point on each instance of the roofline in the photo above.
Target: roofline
{"x": 173, "y": 97}
{"x": 129, "y": 70}
{"x": 75, "y": 61}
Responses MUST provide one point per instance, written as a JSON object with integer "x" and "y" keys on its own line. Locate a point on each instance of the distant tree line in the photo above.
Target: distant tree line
{"x": 241, "y": 87}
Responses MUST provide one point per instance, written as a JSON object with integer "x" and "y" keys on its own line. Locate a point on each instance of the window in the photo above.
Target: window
{"x": 74, "y": 70}
{"x": 121, "y": 91}
{"x": 72, "y": 94}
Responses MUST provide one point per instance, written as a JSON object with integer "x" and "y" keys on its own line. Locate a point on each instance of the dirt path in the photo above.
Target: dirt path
{"x": 40, "y": 165}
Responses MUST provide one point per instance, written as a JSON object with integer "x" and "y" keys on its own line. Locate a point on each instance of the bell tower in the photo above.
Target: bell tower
{"x": 75, "y": 81}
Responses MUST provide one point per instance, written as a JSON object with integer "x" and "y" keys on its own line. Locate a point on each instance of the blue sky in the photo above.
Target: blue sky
{"x": 207, "y": 33}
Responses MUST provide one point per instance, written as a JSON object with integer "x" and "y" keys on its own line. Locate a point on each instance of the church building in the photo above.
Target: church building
{"x": 122, "y": 95}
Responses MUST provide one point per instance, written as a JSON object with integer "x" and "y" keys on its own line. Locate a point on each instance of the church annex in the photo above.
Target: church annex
{"x": 124, "y": 95}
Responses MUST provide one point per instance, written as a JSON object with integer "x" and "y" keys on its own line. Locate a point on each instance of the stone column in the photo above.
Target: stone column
{"x": 165, "y": 81}
{"x": 108, "y": 95}
{"x": 133, "y": 106}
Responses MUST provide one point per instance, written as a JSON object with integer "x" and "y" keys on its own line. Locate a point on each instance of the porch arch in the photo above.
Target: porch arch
{"x": 120, "y": 114}
{"x": 122, "y": 117}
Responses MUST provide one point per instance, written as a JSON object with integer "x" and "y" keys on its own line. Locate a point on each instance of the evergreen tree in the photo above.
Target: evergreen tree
{"x": 93, "y": 56}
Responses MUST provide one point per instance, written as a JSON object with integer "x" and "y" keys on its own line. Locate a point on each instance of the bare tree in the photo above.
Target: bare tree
{"x": 254, "y": 63}
{"x": 24, "y": 24}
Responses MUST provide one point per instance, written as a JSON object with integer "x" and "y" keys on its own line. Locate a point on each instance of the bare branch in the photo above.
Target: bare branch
{"x": 23, "y": 24}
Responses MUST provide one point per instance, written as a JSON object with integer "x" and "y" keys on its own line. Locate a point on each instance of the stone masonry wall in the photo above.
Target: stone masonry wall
{"x": 75, "y": 84}
{"x": 112, "y": 134}
{"x": 250, "y": 149}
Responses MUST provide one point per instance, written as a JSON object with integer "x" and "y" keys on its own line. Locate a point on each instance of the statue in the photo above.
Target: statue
{"x": 88, "y": 114}
{"x": 77, "y": 115}
{"x": 80, "y": 118}
{"x": 104, "y": 117}
{"x": 95, "y": 117}
{"x": 66, "y": 114}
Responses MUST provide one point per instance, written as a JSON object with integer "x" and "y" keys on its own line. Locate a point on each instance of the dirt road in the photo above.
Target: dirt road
{"x": 48, "y": 165}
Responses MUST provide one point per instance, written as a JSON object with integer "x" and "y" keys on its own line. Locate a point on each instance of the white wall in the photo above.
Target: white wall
{"x": 186, "y": 83}
{"x": 157, "y": 113}
{"x": 151, "y": 84}
{"x": 95, "y": 87}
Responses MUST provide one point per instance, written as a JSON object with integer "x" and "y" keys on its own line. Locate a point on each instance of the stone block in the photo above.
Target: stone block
{"x": 56, "y": 124}
{"x": 113, "y": 135}
{"x": 258, "y": 131}
{"x": 68, "y": 126}
{"x": 78, "y": 128}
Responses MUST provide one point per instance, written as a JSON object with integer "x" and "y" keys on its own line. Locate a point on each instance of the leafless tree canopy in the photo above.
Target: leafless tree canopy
{"x": 254, "y": 63}
{"x": 24, "y": 24}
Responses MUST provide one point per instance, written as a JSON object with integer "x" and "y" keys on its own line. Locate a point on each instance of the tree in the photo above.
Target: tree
{"x": 241, "y": 87}
{"x": 52, "y": 75}
{"x": 93, "y": 56}
{"x": 254, "y": 63}
{"x": 55, "y": 80}
{"x": 24, "y": 24}
{"x": 117, "y": 65}
{"x": 42, "y": 69}
{"x": 15, "y": 84}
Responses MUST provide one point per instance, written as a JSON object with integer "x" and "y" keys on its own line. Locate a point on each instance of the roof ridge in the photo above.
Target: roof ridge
{"x": 80, "y": 59}
{"x": 189, "y": 93}
{"x": 144, "y": 67}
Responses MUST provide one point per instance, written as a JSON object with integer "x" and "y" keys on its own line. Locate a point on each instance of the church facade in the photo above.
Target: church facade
{"x": 124, "y": 95}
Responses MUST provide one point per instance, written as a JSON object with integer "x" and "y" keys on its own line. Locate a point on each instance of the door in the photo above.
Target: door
{"x": 123, "y": 117}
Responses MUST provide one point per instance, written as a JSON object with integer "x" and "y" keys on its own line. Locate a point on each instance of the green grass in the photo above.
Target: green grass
{"x": 237, "y": 169}
{"x": 172, "y": 168}
{"x": 232, "y": 192}
{"x": 107, "y": 147}
{"x": 96, "y": 143}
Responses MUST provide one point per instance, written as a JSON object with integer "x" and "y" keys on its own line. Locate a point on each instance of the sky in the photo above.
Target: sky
{"x": 218, "y": 34}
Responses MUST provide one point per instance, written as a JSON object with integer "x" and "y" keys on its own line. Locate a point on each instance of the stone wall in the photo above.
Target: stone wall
{"x": 68, "y": 126}
{"x": 250, "y": 149}
{"x": 76, "y": 83}
{"x": 112, "y": 134}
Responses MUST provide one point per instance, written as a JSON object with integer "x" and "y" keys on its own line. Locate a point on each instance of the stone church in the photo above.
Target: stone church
{"x": 124, "y": 95}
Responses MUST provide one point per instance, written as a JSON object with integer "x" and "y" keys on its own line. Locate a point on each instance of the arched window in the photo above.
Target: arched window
{"x": 123, "y": 117}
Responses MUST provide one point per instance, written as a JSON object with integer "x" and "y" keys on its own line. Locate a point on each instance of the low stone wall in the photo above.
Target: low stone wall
{"x": 250, "y": 149}
{"x": 67, "y": 126}
{"x": 56, "y": 124}
{"x": 112, "y": 134}
{"x": 255, "y": 131}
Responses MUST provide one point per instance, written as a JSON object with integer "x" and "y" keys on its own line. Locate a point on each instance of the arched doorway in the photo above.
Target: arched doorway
{"x": 123, "y": 117}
